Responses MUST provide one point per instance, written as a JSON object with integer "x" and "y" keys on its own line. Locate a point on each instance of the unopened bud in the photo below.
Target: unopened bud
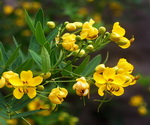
{"x": 100, "y": 68}
{"x": 81, "y": 53}
{"x": 78, "y": 24}
{"x": 78, "y": 37}
{"x": 71, "y": 27}
{"x": 89, "y": 42}
{"x": 102, "y": 30}
{"x": 122, "y": 41}
{"x": 51, "y": 24}
{"x": 40, "y": 88}
{"x": 45, "y": 76}
{"x": 132, "y": 39}
{"x": 114, "y": 37}
{"x": 90, "y": 47}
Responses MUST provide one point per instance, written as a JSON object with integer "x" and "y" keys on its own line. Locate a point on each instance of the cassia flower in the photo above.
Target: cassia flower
{"x": 69, "y": 42}
{"x": 88, "y": 31}
{"x": 81, "y": 87}
{"x": 57, "y": 95}
{"x": 117, "y": 35}
{"x": 26, "y": 84}
{"x": 2, "y": 82}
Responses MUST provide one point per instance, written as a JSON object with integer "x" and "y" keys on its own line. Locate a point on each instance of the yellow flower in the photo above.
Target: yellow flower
{"x": 136, "y": 100}
{"x": 12, "y": 121}
{"x": 81, "y": 87}
{"x": 69, "y": 42}
{"x": 124, "y": 66}
{"x": 110, "y": 81}
{"x": 2, "y": 82}
{"x": 7, "y": 75}
{"x": 39, "y": 104}
{"x": 26, "y": 84}
{"x": 57, "y": 95}
{"x": 8, "y": 9}
{"x": 88, "y": 31}
{"x": 142, "y": 110}
{"x": 117, "y": 35}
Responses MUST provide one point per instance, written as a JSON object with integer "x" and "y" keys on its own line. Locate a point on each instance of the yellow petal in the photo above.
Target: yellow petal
{"x": 15, "y": 81}
{"x": 109, "y": 73}
{"x": 119, "y": 92}
{"x": 101, "y": 90}
{"x": 2, "y": 82}
{"x": 54, "y": 99}
{"x": 99, "y": 78}
{"x": 35, "y": 81}
{"x": 31, "y": 92}
{"x": 118, "y": 29}
{"x": 119, "y": 79}
{"x": 18, "y": 93}
{"x": 125, "y": 46}
{"x": 26, "y": 75}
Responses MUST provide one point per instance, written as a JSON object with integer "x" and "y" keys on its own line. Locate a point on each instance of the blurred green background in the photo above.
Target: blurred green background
{"x": 133, "y": 15}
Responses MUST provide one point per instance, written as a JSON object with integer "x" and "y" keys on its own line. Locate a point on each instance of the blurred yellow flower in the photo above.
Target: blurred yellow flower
{"x": 31, "y": 5}
{"x": 8, "y": 9}
{"x": 26, "y": 84}
{"x": 97, "y": 17}
{"x": 136, "y": 100}
{"x": 39, "y": 104}
{"x": 57, "y": 95}
{"x": 83, "y": 11}
{"x": 81, "y": 87}
{"x": 12, "y": 121}
{"x": 26, "y": 33}
{"x": 88, "y": 31}
{"x": 69, "y": 42}
{"x": 20, "y": 22}
{"x": 142, "y": 110}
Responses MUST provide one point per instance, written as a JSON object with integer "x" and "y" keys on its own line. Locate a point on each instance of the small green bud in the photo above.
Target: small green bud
{"x": 51, "y": 24}
{"x": 81, "y": 53}
{"x": 102, "y": 30}
{"x": 40, "y": 87}
{"x": 90, "y": 47}
{"x": 66, "y": 22}
{"x": 90, "y": 42}
{"x": 78, "y": 37}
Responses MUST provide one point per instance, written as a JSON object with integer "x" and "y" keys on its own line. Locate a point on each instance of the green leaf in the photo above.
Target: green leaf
{"x": 91, "y": 65}
{"x": 20, "y": 52}
{"x": 13, "y": 57}
{"x": 39, "y": 34}
{"x": 4, "y": 115}
{"x": 37, "y": 58}
{"x": 3, "y": 121}
{"x": 2, "y": 102}
{"x": 19, "y": 104}
{"x": 29, "y": 21}
{"x": 46, "y": 65}
{"x": 68, "y": 68}
{"x": 27, "y": 113}
{"x": 33, "y": 45}
{"x": 81, "y": 67}
{"x": 25, "y": 66}
{"x": 5, "y": 57}
{"x": 1, "y": 56}
{"x": 39, "y": 17}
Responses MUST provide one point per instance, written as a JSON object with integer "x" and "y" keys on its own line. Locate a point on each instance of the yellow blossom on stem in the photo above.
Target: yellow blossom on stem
{"x": 7, "y": 75}
{"x": 57, "y": 95}
{"x": 8, "y": 9}
{"x": 81, "y": 87}
{"x": 117, "y": 35}
{"x": 26, "y": 84}
{"x": 88, "y": 31}
{"x": 136, "y": 100}
{"x": 69, "y": 42}
{"x": 110, "y": 81}
{"x": 2, "y": 82}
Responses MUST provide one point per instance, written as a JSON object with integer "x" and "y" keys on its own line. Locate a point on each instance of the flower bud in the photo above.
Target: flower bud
{"x": 51, "y": 24}
{"x": 100, "y": 68}
{"x": 78, "y": 24}
{"x": 90, "y": 41}
{"x": 115, "y": 37}
{"x": 81, "y": 53}
{"x": 122, "y": 41}
{"x": 71, "y": 27}
{"x": 90, "y": 47}
{"x": 102, "y": 30}
{"x": 46, "y": 76}
{"x": 78, "y": 37}
{"x": 40, "y": 88}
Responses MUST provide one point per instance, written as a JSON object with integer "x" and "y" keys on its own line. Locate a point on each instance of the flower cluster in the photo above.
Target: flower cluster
{"x": 114, "y": 79}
